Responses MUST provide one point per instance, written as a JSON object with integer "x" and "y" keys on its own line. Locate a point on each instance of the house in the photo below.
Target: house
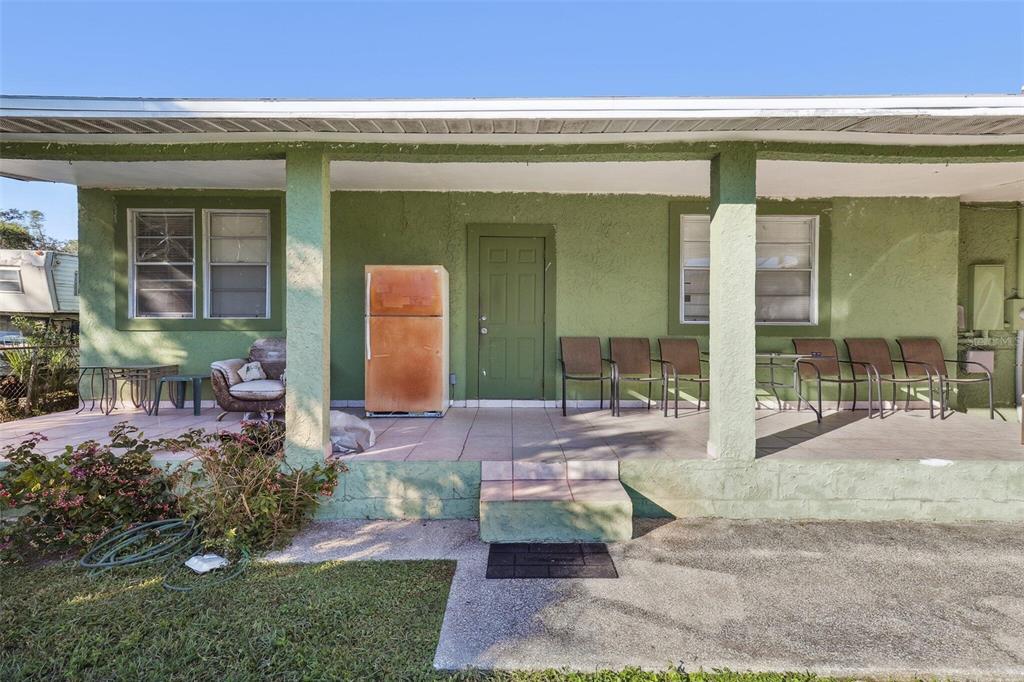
{"x": 39, "y": 285}
{"x": 742, "y": 222}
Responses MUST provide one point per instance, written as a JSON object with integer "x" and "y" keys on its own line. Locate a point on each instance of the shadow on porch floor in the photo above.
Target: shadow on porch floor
{"x": 544, "y": 435}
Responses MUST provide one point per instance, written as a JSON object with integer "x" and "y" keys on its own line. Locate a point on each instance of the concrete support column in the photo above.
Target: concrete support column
{"x": 308, "y": 306}
{"x": 732, "y": 328}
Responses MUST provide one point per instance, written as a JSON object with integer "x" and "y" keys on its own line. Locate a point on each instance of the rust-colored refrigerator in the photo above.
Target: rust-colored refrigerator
{"x": 406, "y": 340}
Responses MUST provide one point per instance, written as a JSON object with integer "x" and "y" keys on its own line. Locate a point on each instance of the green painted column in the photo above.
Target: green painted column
{"x": 96, "y": 294}
{"x": 308, "y": 320}
{"x": 731, "y": 342}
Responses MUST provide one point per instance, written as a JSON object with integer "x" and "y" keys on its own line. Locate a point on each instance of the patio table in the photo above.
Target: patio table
{"x": 138, "y": 378}
{"x": 775, "y": 362}
{"x": 96, "y": 373}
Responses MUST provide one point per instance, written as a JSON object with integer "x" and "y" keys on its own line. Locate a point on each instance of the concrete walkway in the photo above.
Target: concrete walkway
{"x": 856, "y": 599}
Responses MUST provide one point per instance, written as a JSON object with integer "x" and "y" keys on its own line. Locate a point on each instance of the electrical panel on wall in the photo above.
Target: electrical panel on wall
{"x": 987, "y": 297}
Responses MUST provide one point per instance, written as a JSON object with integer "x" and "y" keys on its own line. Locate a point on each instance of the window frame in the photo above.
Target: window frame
{"x": 817, "y": 210}
{"x": 207, "y": 264}
{"x": 21, "y": 282}
{"x": 133, "y": 292}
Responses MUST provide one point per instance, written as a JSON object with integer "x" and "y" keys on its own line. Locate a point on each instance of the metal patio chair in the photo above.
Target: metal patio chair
{"x": 927, "y": 352}
{"x": 683, "y": 360}
{"x": 825, "y": 367}
{"x": 872, "y": 357}
{"x": 582, "y": 361}
{"x": 632, "y": 358}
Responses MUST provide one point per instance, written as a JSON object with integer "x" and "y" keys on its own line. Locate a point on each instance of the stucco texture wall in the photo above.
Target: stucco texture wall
{"x": 612, "y": 261}
{"x": 101, "y": 341}
{"x": 893, "y": 271}
{"x": 988, "y": 235}
{"x": 894, "y": 268}
{"x": 893, "y": 265}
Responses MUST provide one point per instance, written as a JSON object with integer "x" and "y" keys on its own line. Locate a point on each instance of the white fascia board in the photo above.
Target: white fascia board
{"x": 597, "y": 107}
{"x": 424, "y": 140}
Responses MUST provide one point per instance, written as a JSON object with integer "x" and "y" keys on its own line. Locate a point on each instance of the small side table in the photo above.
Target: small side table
{"x": 177, "y": 390}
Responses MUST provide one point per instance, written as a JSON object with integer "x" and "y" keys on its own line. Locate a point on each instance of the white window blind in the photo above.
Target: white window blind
{"x": 163, "y": 263}
{"x": 786, "y": 289}
{"x": 238, "y": 260}
{"x": 10, "y": 281}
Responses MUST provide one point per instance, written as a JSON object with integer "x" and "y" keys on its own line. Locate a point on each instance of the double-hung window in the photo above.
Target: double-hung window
{"x": 237, "y": 264}
{"x": 10, "y": 281}
{"x": 162, "y": 253}
{"x": 786, "y": 284}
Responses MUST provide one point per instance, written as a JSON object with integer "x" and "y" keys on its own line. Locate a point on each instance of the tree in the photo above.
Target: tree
{"x": 24, "y": 230}
{"x": 14, "y": 236}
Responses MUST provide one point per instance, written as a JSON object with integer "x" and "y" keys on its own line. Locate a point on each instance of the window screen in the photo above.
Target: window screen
{"x": 10, "y": 281}
{"x": 785, "y": 284}
{"x": 163, "y": 263}
{"x": 239, "y": 264}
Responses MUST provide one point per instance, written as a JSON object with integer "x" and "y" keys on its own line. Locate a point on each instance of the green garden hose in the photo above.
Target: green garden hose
{"x": 168, "y": 540}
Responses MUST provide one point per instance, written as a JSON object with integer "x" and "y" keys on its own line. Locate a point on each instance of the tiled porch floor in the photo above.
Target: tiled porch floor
{"x": 543, "y": 435}
{"x": 68, "y": 428}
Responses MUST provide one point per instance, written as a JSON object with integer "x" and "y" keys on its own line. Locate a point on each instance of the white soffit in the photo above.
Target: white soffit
{"x": 781, "y": 179}
{"x": 927, "y": 119}
{"x": 970, "y": 181}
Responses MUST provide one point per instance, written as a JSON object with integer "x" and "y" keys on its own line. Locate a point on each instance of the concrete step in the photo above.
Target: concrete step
{"x": 564, "y": 470}
{"x": 555, "y": 510}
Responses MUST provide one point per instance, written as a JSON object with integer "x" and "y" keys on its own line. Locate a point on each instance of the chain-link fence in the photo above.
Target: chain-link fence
{"x": 37, "y": 379}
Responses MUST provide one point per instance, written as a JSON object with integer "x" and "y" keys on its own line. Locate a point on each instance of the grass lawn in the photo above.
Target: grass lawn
{"x": 337, "y": 620}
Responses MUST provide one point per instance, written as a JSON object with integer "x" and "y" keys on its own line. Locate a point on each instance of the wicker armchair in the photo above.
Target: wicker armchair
{"x": 264, "y": 395}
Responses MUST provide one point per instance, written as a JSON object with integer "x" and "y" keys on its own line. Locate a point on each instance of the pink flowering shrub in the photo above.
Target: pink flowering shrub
{"x": 65, "y": 503}
{"x": 241, "y": 491}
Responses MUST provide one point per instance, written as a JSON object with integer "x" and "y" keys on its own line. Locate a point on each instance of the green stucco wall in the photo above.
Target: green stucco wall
{"x": 893, "y": 264}
{"x": 893, "y": 270}
{"x": 988, "y": 235}
{"x": 101, "y": 275}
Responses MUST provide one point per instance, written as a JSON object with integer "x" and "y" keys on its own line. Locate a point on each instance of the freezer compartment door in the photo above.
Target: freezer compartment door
{"x": 406, "y": 364}
{"x": 406, "y": 290}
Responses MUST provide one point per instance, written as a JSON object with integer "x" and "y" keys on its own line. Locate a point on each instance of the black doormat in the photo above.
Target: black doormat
{"x": 550, "y": 560}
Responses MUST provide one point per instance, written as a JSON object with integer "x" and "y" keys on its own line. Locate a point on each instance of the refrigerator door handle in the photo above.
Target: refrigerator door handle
{"x": 369, "y": 276}
{"x": 368, "y": 353}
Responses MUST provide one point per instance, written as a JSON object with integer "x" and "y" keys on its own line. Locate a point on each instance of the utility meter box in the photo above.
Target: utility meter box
{"x": 987, "y": 294}
{"x": 1015, "y": 313}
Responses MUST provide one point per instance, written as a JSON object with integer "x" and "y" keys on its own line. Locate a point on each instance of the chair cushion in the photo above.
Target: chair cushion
{"x": 261, "y": 389}
{"x": 252, "y": 371}
{"x": 229, "y": 368}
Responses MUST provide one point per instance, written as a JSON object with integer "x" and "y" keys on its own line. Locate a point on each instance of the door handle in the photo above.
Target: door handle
{"x": 483, "y": 330}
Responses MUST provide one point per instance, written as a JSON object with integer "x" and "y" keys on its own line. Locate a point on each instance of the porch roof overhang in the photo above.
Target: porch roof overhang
{"x": 963, "y": 119}
{"x": 971, "y": 146}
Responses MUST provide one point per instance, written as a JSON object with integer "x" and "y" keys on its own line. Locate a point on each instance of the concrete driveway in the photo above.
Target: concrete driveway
{"x": 853, "y": 599}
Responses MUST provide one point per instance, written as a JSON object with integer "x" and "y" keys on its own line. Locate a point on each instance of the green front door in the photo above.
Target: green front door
{"x": 510, "y": 318}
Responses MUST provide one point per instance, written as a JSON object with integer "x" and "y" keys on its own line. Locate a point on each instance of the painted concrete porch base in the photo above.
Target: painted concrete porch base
{"x": 608, "y": 519}
{"x": 831, "y": 490}
{"x": 766, "y": 488}
{"x": 405, "y": 490}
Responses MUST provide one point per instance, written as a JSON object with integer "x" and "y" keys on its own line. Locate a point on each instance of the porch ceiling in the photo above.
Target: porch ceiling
{"x": 780, "y": 179}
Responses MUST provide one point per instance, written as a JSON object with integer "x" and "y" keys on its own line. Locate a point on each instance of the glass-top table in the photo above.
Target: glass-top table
{"x": 788, "y": 365}
{"x": 139, "y": 379}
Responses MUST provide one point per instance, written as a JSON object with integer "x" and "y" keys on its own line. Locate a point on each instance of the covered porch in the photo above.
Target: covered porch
{"x": 542, "y": 435}
{"x": 656, "y": 215}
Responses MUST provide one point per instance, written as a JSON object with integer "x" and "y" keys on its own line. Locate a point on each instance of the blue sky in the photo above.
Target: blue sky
{"x": 475, "y": 49}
